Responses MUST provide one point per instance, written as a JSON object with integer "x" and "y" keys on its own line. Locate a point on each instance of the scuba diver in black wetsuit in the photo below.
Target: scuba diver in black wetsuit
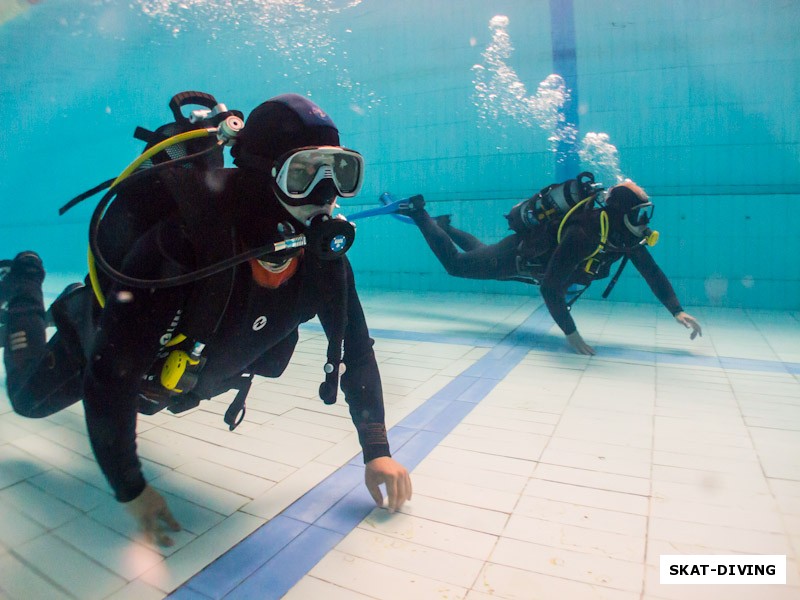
{"x": 559, "y": 253}
{"x": 153, "y": 346}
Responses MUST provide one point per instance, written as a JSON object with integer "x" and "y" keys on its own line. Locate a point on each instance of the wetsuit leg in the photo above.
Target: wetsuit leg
{"x": 466, "y": 241}
{"x": 42, "y": 377}
{"x": 497, "y": 261}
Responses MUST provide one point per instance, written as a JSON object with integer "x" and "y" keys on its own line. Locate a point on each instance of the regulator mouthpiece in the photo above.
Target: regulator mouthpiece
{"x": 650, "y": 237}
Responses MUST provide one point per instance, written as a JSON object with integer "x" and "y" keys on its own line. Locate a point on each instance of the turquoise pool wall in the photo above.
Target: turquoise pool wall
{"x": 699, "y": 98}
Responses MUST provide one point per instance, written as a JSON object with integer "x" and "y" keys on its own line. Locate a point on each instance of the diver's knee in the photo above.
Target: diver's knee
{"x": 24, "y": 406}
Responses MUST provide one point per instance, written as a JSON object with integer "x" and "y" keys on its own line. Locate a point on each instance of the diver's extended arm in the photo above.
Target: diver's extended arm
{"x": 663, "y": 290}
{"x": 574, "y": 247}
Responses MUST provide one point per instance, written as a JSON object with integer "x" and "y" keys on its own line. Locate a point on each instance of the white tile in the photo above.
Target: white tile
{"x": 577, "y": 538}
{"x": 433, "y": 534}
{"x": 283, "y": 447}
{"x": 69, "y": 568}
{"x": 45, "y": 451}
{"x": 206, "y": 495}
{"x": 411, "y": 557}
{"x": 594, "y": 479}
{"x": 10, "y": 431}
{"x": 77, "y": 441}
{"x": 567, "y": 564}
{"x": 342, "y": 452}
{"x": 115, "y": 552}
{"x": 192, "y": 519}
{"x": 38, "y": 505}
{"x": 287, "y": 491}
{"x": 530, "y": 450}
{"x": 483, "y": 461}
{"x": 501, "y": 581}
{"x": 330, "y": 433}
{"x": 18, "y": 465}
{"x": 309, "y": 588}
{"x": 723, "y": 516}
{"x": 137, "y": 590}
{"x": 485, "y": 418}
{"x": 460, "y": 515}
{"x": 715, "y": 482}
{"x": 15, "y": 527}
{"x": 222, "y": 455}
{"x": 22, "y": 582}
{"x": 69, "y": 489}
{"x": 464, "y": 493}
{"x": 380, "y": 581}
{"x": 471, "y": 475}
{"x": 597, "y": 462}
{"x": 582, "y": 516}
{"x": 324, "y": 419}
{"x": 731, "y": 498}
{"x": 734, "y": 540}
{"x": 189, "y": 560}
{"x": 226, "y": 478}
{"x": 586, "y": 496}
{"x": 158, "y": 452}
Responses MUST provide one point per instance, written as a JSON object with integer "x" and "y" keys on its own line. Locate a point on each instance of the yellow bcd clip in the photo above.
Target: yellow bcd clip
{"x": 174, "y": 372}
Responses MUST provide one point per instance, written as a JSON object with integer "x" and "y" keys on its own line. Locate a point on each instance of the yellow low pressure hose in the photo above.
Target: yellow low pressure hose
{"x": 175, "y": 139}
{"x": 566, "y": 216}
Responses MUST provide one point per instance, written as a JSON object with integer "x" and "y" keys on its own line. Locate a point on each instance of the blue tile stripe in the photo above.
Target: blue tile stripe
{"x": 269, "y": 562}
{"x": 555, "y": 344}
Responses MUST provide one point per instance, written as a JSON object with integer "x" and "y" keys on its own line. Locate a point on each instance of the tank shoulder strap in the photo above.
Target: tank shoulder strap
{"x": 207, "y": 219}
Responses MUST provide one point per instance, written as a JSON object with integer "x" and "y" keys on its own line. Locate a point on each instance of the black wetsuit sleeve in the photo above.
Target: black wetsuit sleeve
{"x": 131, "y": 326}
{"x": 656, "y": 279}
{"x": 575, "y": 246}
{"x": 361, "y": 381}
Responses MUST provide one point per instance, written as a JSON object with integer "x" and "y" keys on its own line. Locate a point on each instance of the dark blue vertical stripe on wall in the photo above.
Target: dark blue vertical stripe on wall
{"x": 562, "y": 29}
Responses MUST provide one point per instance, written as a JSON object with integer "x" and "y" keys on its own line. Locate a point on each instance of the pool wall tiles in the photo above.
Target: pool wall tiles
{"x": 700, "y": 100}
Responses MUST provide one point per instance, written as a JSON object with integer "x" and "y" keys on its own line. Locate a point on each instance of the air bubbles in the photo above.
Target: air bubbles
{"x": 300, "y": 31}
{"x": 498, "y": 22}
{"x": 598, "y": 153}
{"x": 500, "y": 95}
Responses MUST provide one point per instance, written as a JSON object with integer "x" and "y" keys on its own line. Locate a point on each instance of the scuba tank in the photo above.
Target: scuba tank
{"x": 551, "y": 203}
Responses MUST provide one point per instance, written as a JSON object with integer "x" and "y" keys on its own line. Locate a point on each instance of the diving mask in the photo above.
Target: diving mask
{"x": 638, "y": 217}
{"x": 637, "y": 221}
{"x": 297, "y": 173}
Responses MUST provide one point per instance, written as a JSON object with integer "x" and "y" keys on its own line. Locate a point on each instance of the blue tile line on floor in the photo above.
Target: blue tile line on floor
{"x": 269, "y": 562}
{"x": 556, "y": 344}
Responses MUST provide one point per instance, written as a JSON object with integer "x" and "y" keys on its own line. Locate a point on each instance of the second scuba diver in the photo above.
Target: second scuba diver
{"x": 558, "y": 253}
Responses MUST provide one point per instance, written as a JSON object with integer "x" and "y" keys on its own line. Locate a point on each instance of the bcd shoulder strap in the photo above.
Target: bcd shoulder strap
{"x": 209, "y": 226}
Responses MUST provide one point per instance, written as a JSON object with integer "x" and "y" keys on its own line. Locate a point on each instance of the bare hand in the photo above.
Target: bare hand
{"x": 689, "y": 322}
{"x": 388, "y": 471}
{"x": 152, "y": 514}
{"x": 576, "y": 341}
